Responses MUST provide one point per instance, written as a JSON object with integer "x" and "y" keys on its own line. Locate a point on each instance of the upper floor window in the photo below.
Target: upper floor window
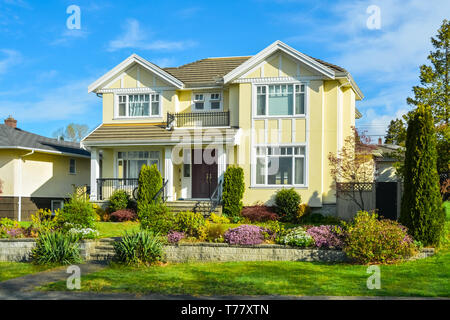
{"x": 139, "y": 105}
{"x": 280, "y": 100}
{"x": 207, "y": 101}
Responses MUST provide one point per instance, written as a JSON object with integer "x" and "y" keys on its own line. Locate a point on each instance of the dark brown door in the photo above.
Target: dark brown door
{"x": 204, "y": 176}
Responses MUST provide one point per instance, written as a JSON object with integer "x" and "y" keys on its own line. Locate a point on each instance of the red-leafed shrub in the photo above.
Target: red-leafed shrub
{"x": 259, "y": 213}
{"x": 123, "y": 215}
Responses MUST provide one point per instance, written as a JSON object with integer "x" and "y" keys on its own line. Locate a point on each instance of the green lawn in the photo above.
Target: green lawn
{"x": 9, "y": 270}
{"x": 447, "y": 209}
{"x": 116, "y": 229}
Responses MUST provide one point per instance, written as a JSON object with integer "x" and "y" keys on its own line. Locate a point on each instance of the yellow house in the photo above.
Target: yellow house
{"x": 37, "y": 172}
{"x": 276, "y": 114}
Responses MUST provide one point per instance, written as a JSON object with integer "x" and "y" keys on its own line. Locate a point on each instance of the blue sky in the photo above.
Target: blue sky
{"x": 45, "y": 68}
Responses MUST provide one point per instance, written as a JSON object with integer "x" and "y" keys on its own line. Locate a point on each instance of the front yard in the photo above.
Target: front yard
{"x": 10, "y": 270}
{"x": 424, "y": 278}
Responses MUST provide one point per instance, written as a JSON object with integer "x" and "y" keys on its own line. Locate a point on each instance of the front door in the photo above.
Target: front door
{"x": 204, "y": 176}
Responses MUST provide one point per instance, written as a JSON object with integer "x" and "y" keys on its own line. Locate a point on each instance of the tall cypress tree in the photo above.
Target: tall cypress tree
{"x": 422, "y": 211}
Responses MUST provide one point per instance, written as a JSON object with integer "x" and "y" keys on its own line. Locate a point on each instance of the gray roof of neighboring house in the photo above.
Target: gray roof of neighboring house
{"x": 382, "y": 152}
{"x": 17, "y": 138}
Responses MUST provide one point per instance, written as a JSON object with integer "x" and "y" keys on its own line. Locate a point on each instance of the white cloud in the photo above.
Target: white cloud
{"x": 61, "y": 103}
{"x": 136, "y": 38}
{"x": 8, "y": 58}
{"x": 68, "y": 35}
{"x": 387, "y": 60}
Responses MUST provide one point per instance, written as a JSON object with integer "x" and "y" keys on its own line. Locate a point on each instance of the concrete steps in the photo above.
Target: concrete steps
{"x": 192, "y": 205}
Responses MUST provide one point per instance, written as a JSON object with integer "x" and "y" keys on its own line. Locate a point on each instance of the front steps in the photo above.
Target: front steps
{"x": 202, "y": 206}
{"x": 103, "y": 250}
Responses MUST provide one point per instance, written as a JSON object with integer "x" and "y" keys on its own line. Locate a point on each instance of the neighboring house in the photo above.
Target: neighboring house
{"x": 385, "y": 162}
{"x": 37, "y": 172}
{"x": 277, "y": 114}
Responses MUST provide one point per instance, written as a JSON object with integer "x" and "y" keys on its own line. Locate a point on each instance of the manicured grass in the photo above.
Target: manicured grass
{"x": 9, "y": 270}
{"x": 427, "y": 277}
{"x": 447, "y": 209}
{"x": 116, "y": 229}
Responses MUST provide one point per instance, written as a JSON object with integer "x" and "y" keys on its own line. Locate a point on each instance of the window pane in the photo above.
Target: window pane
{"x": 154, "y": 154}
{"x": 300, "y": 103}
{"x": 199, "y": 105}
{"x": 280, "y": 101}
{"x": 215, "y": 105}
{"x": 299, "y": 170}
{"x": 261, "y": 105}
{"x": 122, "y": 109}
{"x": 260, "y": 170}
{"x": 155, "y": 108}
{"x": 280, "y": 170}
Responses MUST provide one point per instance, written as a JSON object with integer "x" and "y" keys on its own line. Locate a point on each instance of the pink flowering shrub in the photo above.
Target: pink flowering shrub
{"x": 175, "y": 236}
{"x": 245, "y": 234}
{"x": 326, "y": 236}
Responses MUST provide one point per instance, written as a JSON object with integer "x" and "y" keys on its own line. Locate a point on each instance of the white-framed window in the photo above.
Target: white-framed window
{"x": 138, "y": 105}
{"x": 207, "y": 101}
{"x": 199, "y": 101}
{"x": 281, "y": 100}
{"x": 129, "y": 163}
{"x": 72, "y": 166}
{"x": 57, "y": 204}
{"x": 280, "y": 165}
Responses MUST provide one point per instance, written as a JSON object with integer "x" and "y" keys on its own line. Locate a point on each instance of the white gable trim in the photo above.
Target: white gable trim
{"x": 134, "y": 58}
{"x": 278, "y": 45}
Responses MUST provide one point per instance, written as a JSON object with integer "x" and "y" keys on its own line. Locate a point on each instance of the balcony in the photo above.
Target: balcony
{"x": 198, "y": 119}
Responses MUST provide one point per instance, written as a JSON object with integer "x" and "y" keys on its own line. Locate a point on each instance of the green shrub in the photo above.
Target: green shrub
{"x": 303, "y": 211}
{"x": 421, "y": 209}
{"x": 218, "y": 219}
{"x": 287, "y": 202}
{"x": 150, "y": 182}
{"x": 369, "y": 240}
{"x": 56, "y": 248}
{"x": 119, "y": 200}
{"x": 215, "y": 232}
{"x": 78, "y": 211}
{"x": 143, "y": 247}
{"x": 189, "y": 222}
{"x": 156, "y": 217}
{"x": 232, "y": 192}
{"x": 45, "y": 221}
{"x": 320, "y": 219}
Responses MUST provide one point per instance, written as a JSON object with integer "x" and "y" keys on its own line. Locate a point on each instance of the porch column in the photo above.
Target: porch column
{"x": 221, "y": 161}
{"x": 168, "y": 172}
{"x": 95, "y": 170}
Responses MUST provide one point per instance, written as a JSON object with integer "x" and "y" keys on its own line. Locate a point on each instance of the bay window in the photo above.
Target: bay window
{"x": 280, "y": 165}
{"x": 129, "y": 163}
{"x": 280, "y": 100}
{"x": 138, "y": 105}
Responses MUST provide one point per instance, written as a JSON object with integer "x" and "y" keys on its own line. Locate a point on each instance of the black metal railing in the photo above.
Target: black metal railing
{"x": 106, "y": 186}
{"x": 199, "y": 119}
{"x": 216, "y": 197}
{"x": 162, "y": 192}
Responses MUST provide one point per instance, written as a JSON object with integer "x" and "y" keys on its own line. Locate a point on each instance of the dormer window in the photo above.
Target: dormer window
{"x": 138, "y": 105}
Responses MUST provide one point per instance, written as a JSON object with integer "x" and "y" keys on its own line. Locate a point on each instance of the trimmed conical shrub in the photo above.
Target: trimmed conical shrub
{"x": 422, "y": 211}
{"x": 150, "y": 181}
{"x": 232, "y": 192}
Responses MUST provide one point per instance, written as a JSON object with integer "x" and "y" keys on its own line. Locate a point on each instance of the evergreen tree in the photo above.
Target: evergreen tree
{"x": 422, "y": 211}
{"x": 396, "y": 133}
{"x": 434, "y": 90}
{"x": 150, "y": 182}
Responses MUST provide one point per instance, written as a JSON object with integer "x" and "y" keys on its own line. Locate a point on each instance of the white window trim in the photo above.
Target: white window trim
{"x": 75, "y": 166}
{"x": 254, "y": 156}
{"x": 207, "y": 101}
{"x": 116, "y": 105}
{"x": 267, "y": 116}
{"x": 116, "y": 162}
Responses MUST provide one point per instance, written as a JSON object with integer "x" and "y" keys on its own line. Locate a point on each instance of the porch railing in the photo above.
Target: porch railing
{"x": 162, "y": 192}
{"x": 106, "y": 186}
{"x": 216, "y": 197}
{"x": 199, "y": 119}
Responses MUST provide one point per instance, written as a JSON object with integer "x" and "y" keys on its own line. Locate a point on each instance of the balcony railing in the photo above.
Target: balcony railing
{"x": 106, "y": 187}
{"x": 199, "y": 119}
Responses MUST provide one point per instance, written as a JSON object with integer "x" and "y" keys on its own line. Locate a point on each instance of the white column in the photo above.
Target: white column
{"x": 221, "y": 162}
{"x": 168, "y": 172}
{"x": 95, "y": 171}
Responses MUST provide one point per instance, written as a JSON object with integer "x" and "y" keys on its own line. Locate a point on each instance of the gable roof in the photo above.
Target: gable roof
{"x": 15, "y": 138}
{"x": 206, "y": 71}
{"x": 134, "y": 58}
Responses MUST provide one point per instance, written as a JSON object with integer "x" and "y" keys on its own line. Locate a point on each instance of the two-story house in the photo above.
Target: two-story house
{"x": 276, "y": 114}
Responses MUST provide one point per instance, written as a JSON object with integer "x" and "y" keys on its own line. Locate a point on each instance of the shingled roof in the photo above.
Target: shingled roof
{"x": 17, "y": 138}
{"x": 205, "y": 71}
